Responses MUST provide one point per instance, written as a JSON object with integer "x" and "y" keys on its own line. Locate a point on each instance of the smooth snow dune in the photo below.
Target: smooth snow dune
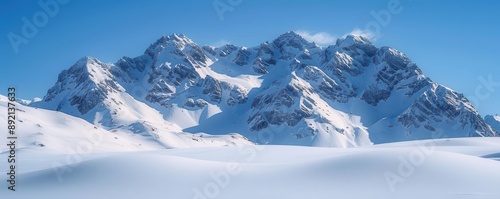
{"x": 274, "y": 172}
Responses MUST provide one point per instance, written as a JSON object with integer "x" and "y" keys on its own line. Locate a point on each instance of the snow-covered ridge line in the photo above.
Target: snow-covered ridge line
{"x": 287, "y": 91}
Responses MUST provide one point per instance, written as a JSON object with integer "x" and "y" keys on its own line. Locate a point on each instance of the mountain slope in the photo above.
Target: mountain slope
{"x": 288, "y": 91}
{"x": 493, "y": 121}
{"x": 45, "y": 130}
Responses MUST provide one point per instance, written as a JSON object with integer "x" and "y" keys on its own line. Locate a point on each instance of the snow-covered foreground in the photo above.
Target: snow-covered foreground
{"x": 460, "y": 168}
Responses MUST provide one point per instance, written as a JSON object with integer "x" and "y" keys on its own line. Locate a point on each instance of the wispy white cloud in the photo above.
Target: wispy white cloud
{"x": 364, "y": 33}
{"x": 220, "y": 43}
{"x": 320, "y": 38}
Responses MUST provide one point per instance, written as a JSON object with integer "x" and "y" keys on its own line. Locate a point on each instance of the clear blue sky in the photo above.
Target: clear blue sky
{"x": 453, "y": 42}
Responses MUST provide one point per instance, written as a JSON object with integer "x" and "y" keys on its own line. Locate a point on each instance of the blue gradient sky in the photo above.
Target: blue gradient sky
{"x": 454, "y": 42}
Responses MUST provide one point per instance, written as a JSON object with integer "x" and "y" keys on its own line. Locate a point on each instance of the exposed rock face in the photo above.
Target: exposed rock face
{"x": 242, "y": 57}
{"x": 237, "y": 95}
{"x": 83, "y": 83}
{"x": 212, "y": 88}
{"x": 280, "y": 107}
{"x": 493, "y": 121}
{"x": 427, "y": 110}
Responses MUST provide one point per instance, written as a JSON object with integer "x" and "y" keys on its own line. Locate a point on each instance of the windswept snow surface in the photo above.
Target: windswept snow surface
{"x": 53, "y": 131}
{"x": 459, "y": 168}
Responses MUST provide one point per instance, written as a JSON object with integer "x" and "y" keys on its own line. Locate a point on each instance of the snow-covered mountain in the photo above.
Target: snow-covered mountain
{"x": 493, "y": 121}
{"x": 288, "y": 91}
{"x": 53, "y": 131}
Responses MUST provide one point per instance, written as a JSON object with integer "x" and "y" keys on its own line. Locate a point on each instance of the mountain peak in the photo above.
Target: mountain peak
{"x": 351, "y": 40}
{"x": 174, "y": 37}
{"x": 291, "y": 39}
{"x": 290, "y": 34}
{"x": 493, "y": 121}
{"x": 178, "y": 41}
{"x": 354, "y": 43}
{"x": 178, "y": 37}
{"x": 84, "y": 65}
{"x": 86, "y": 60}
{"x": 493, "y": 117}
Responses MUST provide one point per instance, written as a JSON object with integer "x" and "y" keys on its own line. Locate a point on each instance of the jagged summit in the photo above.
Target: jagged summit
{"x": 350, "y": 40}
{"x": 85, "y": 62}
{"x": 177, "y": 45}
{"x": 355, "y": 44}
{"x": 288, "y": 91}
{"x": 291, "y": 39}
{"x": 174, "y": 37}
{"x": 178, "y": 41}
{"x": 290, "y": 35}
{"x": 493, "y": 121}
